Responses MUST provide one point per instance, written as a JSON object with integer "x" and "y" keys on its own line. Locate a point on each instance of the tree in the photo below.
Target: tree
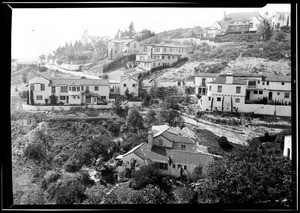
{"x": 134, "y": 119}
{"x": 42, "y": 58}
{"x": 151, "y": 117}
{"x": 53, "y": 99}
{"x": 223, "y": 142}
{"x": 128, "y": 95}
{"x": 197, "y": 173}
{"x": 264, "y": 30}
{"x": 146, "y": 175}
{"x": 131, "y": 32}
{"x": 24, "y": 77}
{"x": 279, "y": 36}
{"x": 247, "y": 177}
{"x": 35, "y": 152}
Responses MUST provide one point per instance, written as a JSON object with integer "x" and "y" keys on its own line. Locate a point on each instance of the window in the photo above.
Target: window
{"x": 87, "y": 88}
{"x": 53, "y": 89}
{"x": 263, "y": 83}
{"x": 209, "y": 98}
{"x": 96, "y": 88}
{"x": 218, "y": 98}
{"x": 95, "y": 99}
{"x": 173, "y": 166}
{"x": 258, "y": 81}
{"x": 252, "y": 83}
{"x": 160, "y": 142}
{"x": 162, "y": 57}
{"x": 70, "y": 88}
{"x": 103, "y": 97}
{"x": 219, "y": 88}
{"x": 209, "y": 88}
{"x": 82, "y": 88}
{"x": 73, "y": 89}
{"x": 178, "y": 84}
{"x": 153, "y": 64}
{"x": 163, "y": 166}
{"x": 286, "y": 95}
{"x": 267, "y": 82}
{"x": 182, "y": 146}
{"x": 238, "y": 90}
{"x": 165, "y": 49}
{"x": 255, "y": 92}
{"x": 133, "y": 85}
{"x": 237, "y": 100}
{"x": 42, "y": 87}
{"x": 124, "y": 85}
{"x": 278, "y": 93}
{"x": 78, "y": 88}
{"x": 184, "y": 167}
{"x": 63, "y": 89}
{"x": 158, "y": 64}
{"x": 31, "y": 87}
{"x": 168, "y": 57}
{"x": 282, "y": 83}
{"x": 39, "y": 97}
{"x": 178, "y": 166}
{"x": 62, "y": 97}
{"x": 260, "y": 92}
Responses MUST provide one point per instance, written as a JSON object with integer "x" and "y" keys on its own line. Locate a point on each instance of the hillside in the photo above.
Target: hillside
{"x": 266, "y": 57}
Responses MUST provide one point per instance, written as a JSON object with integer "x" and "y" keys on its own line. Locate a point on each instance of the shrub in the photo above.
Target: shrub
{"x": 35, "y": 152}
{"x": 72, "y": 165}
{"x": 23, "y": 94}
{"x": 224, "y": 144}
{"x": 53, "y": 99}
{"x": 86, "y": 179}
{"x": 197, "y": 173}
{"x": 146, "y": 175}
{"x": 185, "y": 194}
{"x": 43, "y": 69}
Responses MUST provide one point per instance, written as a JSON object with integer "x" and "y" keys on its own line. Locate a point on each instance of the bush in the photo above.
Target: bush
{"x": 23, "y": 94}
{"x": 73, "y": 165}
{"x": 185, "y": 194}
{"x": 43, "y": 69}
{"x": 146, "y": 175}
{"x": 197, "y": 173}
{"x": 35, "y": 152}
{"x": 86, "y": 179}
{"x": 224, "y": 144}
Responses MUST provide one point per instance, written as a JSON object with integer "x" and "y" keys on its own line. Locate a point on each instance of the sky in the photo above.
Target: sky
{"x": 41, "y": 31}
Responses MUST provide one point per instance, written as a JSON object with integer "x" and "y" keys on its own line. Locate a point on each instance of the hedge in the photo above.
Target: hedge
{"x": 118, "y": 63}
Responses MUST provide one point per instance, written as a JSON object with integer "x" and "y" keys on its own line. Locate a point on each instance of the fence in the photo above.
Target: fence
{"x": 277, "y": 110}
{"x": 55, "y": 108}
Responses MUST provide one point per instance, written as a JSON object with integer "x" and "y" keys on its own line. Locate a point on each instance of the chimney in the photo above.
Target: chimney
{"x": 229, "y": 78}
{"x": 150, "y": 139}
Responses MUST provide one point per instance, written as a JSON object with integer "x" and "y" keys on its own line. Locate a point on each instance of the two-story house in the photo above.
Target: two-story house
{"x": 230, "y": 92}
{"x": 129, "y": 82}
{"x": 119, "y": 48}
{"x": 158, "y": 55}
{"x": 173, "y": 153}
{"x": 201, "y": 82}
{"x": 69, "y": 91}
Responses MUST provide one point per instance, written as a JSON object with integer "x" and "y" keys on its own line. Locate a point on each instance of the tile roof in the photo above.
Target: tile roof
{"x": 207, "y": 75}
{"x": 167, "y": 45}
{"x": 124, "y": 77}
{"x": 277, "y": 78}
{"x": 177, "y": 156}
{"x": 64, "y": 81}
{"x": 222, "y": 80}
{"x": 159, "y": 129}
{"x": 241, "y": 15}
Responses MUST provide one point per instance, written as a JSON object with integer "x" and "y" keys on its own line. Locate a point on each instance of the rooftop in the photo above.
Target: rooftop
{"x": 64, "y": 81}
{"x": 222, "y": 80}
{"x": 277, "y": 78}
{"x": 177, "y": 156}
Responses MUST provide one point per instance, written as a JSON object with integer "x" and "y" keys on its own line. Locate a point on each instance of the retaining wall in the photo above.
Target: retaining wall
{"x": 49, "y": 108}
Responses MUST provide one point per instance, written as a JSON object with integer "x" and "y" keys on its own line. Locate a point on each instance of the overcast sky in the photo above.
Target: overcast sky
{"x": 41, "y": 31}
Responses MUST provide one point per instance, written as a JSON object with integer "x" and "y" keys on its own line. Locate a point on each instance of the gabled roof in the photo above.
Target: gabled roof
{"x": 222, "y": 80}
{"x": 240, "y": 16}
{"x": 177, "y": 156}
{"x": 126, "y": 41}
{"x": 159, "y": 129}
{"x": 224, "y": 24}
{"x": 92, "y": 82}
{"x": 124, "y": 77}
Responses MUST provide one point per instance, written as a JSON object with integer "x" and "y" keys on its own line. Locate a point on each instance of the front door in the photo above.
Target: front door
{"x": 247, "y": 95}
{"x": 270, "y": 95}
{"x": 203, "y": 90}
{"x": 67, "y": 99}
{"x": 88, "y": 99}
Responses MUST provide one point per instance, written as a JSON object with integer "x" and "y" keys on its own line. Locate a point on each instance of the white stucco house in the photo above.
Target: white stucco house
{"x": 173, "y": 153}
{"x": 118, "y": 48}
{"x": 129, "y": 82}
{"x": 69, "y": 91}
{"x": 158, "y": 55}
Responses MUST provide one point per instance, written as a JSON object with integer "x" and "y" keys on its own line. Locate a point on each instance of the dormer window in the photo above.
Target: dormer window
{"x": 160, "y": 142}
{"x": 182, "y": 146}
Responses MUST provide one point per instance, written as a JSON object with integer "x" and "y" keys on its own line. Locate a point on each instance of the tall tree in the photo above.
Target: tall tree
{"x": 264, "y": 30}
{"x": 134, "y": 120}
{"x": 131, "y": 32}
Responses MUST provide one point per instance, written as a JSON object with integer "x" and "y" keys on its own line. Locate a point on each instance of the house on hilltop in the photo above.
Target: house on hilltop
{"x": 129, "y": 82}
{"x": 121, "y": 47}
{"x": 173, "y": 153}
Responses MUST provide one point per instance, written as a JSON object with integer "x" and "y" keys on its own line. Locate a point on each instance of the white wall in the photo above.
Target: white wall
{"x": 129, "y": 84}
{"x": 49, "y": 108}
{"x": 37, "y": 81}
{"x": 287, "y": 145}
